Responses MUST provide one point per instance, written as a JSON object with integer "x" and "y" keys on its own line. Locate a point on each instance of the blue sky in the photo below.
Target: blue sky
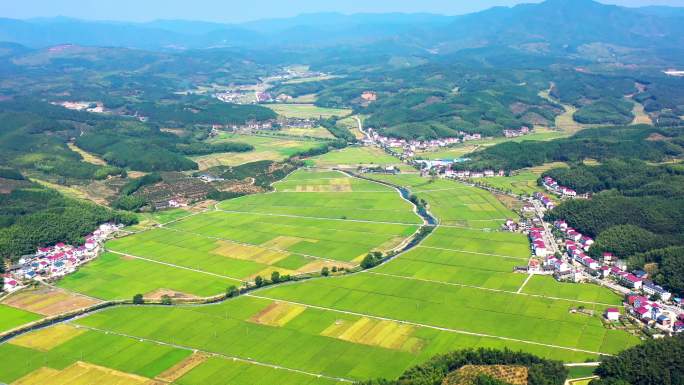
{"x": 241, "y": 10}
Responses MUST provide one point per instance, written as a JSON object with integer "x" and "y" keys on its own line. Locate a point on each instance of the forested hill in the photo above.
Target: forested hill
{"x": 638, "y": 142}
{"x": 32, "y": 215}
{"x": 636, "y": 213}
{"x": 34, "y": 137}
{"x": 557, "y": 24}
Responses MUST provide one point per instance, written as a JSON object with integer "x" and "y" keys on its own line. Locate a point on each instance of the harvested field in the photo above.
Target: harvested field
{"x": 48, "y": 301}
{"x": 47, "y": 339}
{"x": 180, "y": 369}
{"x": 385, "y": 334}
{"x": 514, "y": 375}
{"x": 159, "y": 293}
{"x": 81, "y": 373}
{"x": 277, "y": 314}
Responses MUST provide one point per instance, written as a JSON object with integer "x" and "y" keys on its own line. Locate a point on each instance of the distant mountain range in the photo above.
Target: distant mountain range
{"x": 555, "y": 23}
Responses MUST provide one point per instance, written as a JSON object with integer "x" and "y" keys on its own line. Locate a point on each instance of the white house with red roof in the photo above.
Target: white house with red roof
{"x": 631, "y": 281}
{"x": 612, "y": 314}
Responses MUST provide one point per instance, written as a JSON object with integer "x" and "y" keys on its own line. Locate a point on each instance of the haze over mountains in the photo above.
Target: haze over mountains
{"x": 554, "y": 23}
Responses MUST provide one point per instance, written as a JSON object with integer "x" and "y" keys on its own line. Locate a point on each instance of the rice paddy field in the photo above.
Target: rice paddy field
{"x": 353, "y": 157}
{"x": 315, "y": 132}
{"x": 523, "y": 183}
{"x": 453, "y": 203}
{"x": 265, "y": 148}
{"x": 11, "y": 317}
{"x": 307, "y": 111}
{"x": 455, "y": 290}
{"x": 314, "y": 219}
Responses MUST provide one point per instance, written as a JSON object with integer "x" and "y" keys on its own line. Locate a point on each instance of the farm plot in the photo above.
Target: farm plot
{"x": 11, "y": 317}
{"x": 471, "y": 310}
{"x": 455, "y": 204}
{"x": 85, "y": 357}
{"x": 331, "y": 239}
{"x": 217, "y": 371}
{"x": 333, "y": 181}
{"x": 307, "y": 111}
{"x": 485, "y": 243}
{"x": 265, "y": 148}
{"x": 47, "y": 301}
{"x": 458, "y": 268}
{"x": 314, "y": 132}
{"x": 114, "y": 276}
{"x": 541, "y": 285}
{"x": 352, "y": 199}
{"x": 352, "y": 157}
{"x": 317, "y": 340}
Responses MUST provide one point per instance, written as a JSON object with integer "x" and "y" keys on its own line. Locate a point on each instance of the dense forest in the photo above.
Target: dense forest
{"x": 636, "y": 212}
{"x": 435, "y": 370}
{"x": 654, "y": 362}
{"x": 192, "y": 110}
{"x": 638, "y": 142}
{"x": 32, "y": 215}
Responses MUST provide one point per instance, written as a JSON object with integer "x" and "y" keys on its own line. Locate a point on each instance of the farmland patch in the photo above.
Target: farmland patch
{"x": 385, "y": 334}
{"x": 277, "y": 314}
{"x": 48, "y": 301}
{"x": 46, "y": 339}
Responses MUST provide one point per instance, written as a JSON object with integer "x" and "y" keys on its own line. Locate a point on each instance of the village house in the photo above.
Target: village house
{"x": 631, "y": 281}
{"x": 612, "y": 314}
{"x": 49, "y": 263}
{"x": 650, "y": 288}
{"x": 369, "y": 96}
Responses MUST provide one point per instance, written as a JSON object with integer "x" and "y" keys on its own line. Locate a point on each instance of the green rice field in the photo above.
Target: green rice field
{"x": 352, "y": 157}
{"x": 456, "y": 289}
{"x": 289, "y": 232}
{"x": 11, "y": 317}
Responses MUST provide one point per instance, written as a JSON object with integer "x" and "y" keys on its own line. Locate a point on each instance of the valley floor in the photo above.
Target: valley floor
{"x": 455, "y": 290}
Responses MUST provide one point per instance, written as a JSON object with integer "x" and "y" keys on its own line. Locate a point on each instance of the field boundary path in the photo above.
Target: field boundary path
{"x": 428, "y": 326}
{"x": 215, "y": 354}
{"x": 519, "y": 292}
{"x": 173, "y": 265}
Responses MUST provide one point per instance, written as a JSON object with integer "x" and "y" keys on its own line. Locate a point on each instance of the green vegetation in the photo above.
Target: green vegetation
{"x": 192, "y": 110}
{"x": 120, "y": 353}
{"x": 307, "y": 111}
{"x": 598, "y": 143}
{"x": 655, "y": 362}
{"x": 11, "y": 317}
{"x": 114, "y": 276}
{"x": 605, "y": 111}
{"x": 635, "y": 212}
{"x": 434, "y": 371}
{"x": 32, "y": 216}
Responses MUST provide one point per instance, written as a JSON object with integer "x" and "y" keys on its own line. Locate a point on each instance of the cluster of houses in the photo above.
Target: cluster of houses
{"x": 538, "y": 244}
{"x": 50, "y": 263}
{"x": 548, "y": 203}
{"x": 411, "y": 146}
{"x": 652, "y": 312}
{"x": 516, "y": 133}
{"x": 465, "y": 174}
{"x": 552, "y": 185}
